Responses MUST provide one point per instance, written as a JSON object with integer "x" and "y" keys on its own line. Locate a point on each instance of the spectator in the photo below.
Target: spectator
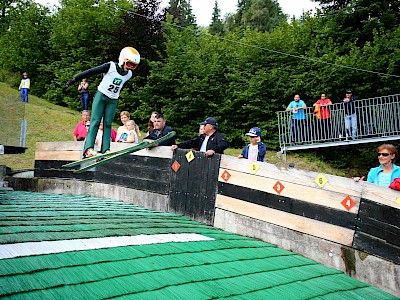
{"x": 324, "y": 126}
{"x": 210, "y": 142}
{"x": 100, "y": 135}
{"x": 160, "y": 130}
{"x": 106, "y": 99}
{"x": 24, "y": 87}
{"x": 350, "y": 115}
{"x": 256, "y": 150}
{"x": 80, "y": 131}
{"x": 125, "y": 116}
{"x": 87, "y": 125}
{"x": 201, "y": 129}
{"x": 387, "y": 172}
{"x": 297, "y": 106}
{"x": 131, "y": 135}
{"x": 150, "y": 124}
{"x": 83, "y": 87}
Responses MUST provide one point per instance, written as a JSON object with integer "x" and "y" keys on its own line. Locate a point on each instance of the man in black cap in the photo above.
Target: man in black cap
{"x": 350, "y": 115}
{"x": 210, "y": 142}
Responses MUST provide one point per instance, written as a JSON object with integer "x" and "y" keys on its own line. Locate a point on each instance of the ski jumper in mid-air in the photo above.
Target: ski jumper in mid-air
{"x": 106, "y": 99}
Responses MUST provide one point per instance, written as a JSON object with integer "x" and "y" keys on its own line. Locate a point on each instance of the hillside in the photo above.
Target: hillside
{"x": 47, "y": 122}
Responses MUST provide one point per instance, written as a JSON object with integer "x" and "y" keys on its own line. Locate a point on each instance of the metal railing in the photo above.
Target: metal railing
{"x": 12, "y": 122}
{"x": 377, "y": 118}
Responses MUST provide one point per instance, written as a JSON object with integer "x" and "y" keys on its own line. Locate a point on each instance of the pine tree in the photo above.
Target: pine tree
{"x": 216, "y": 22}
{"x": 181, "y": 10}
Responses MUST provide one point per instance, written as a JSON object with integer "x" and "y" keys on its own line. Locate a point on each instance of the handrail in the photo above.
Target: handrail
{"x": 373, "y": 118}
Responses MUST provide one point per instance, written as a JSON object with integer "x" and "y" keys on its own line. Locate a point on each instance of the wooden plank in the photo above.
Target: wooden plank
{"x": 377, "y": 247}
{"x": 342, "y": 185}
{"x": 380, "y": 221}
{"x": 59, "y": 146}
{"x": 65, "y": 155}
{"x": 387, "y": 232}
{"x": 380, "y": 194}
{"x": 314, "y": 195}
{"x": 293, "y": 206}
{"x": 178, "y": 186}
{"x": 160, "y": 151}
{"x": 323, "y": 230}
{"x": 381, "y": 212}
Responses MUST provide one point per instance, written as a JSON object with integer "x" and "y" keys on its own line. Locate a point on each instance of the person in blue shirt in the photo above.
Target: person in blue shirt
{"x": 298, "y": 106}
{"x": 256, "y": 150}
{"x": 387, "y": 172}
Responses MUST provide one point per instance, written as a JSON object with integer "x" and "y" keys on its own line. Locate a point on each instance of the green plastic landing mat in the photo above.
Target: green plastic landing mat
{"x": 223, "y": 266}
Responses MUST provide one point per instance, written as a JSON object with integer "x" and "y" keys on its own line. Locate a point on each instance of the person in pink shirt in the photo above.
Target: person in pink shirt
{"x": 324, "y": 126}
{"x": 80, "y": 130}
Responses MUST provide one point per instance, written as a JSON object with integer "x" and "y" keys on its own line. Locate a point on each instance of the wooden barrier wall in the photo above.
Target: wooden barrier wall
{"x": 344, "y": 224}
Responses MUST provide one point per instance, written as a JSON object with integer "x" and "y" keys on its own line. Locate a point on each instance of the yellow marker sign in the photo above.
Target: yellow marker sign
{"x": 254, "y": 167}
{"x": 398, "y": 201}
{"x": 189, "y": 156}
{"x": 321, "y": 180}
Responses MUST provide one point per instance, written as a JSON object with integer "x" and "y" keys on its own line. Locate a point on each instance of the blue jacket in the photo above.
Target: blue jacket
{"x": 262, "y": 150}
{"x": 374, "y": 172}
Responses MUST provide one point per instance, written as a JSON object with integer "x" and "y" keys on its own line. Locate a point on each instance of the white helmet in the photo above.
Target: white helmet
{"x": 129, "y": 57}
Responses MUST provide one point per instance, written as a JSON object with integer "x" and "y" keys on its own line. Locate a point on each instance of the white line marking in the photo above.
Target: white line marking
{"x": 49, "y": 247}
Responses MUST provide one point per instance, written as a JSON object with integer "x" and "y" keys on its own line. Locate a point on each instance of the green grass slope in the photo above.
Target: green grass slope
{"x": 47, "y": 122}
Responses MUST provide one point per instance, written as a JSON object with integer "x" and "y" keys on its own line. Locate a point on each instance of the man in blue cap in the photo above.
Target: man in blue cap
{"x": 210, "y": 142}
{"x": 256, "y": 150}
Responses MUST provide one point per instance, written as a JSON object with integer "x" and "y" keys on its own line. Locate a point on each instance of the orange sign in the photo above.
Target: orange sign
{"x": 225, "y": 176}
{"x": 175, "y": 166}
{"x": 278, "y": 187}
{"x": 348, "y": 203}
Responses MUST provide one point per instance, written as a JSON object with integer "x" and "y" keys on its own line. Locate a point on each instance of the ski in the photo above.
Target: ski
{"x": 102, "y": 155}
{"x": 120, "y": 153}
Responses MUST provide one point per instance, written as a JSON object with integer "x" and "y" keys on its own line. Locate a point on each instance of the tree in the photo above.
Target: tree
{"x": 216, "y": 25}
{"x": 356, "y": 20}
{"x": 181, "y": 11}
{"x": 25, "y": 44}
{"x": 262, "y": 15}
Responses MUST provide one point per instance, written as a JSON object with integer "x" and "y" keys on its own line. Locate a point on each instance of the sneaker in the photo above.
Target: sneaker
{"x": 90, "y": 152}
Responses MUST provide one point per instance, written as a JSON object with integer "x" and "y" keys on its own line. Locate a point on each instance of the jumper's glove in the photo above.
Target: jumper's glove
{"x": 70, "y": 82}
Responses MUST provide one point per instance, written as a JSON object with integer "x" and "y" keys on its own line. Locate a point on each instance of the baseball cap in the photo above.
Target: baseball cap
{"x": 255, "y": 131}
{"x": 210, "y": 121}
{"x": 348, "y": 92}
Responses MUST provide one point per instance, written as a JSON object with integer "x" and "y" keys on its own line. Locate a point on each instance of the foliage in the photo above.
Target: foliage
{"x": 182, "y": 13}
{"x": 262, "y": 15}
{"x": 216, "y": 25}
{"x": 241, "y": 77}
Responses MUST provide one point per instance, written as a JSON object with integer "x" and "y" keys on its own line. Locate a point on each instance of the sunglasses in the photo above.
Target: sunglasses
{"x": 383, "y": 154}
{"x": 87, "y": 125}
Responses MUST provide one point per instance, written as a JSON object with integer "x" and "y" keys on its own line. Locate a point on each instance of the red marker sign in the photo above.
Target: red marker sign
{"x": 175, "y": 166}
{"x": 348, "y": 203}
{"x": 225, "y": 176}
{"x": 278, "y": 187}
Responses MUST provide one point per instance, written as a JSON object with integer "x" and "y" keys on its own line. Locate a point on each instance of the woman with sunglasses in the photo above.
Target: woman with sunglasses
{"x": 105, "y": 101}
{"x": 387, "y": 172}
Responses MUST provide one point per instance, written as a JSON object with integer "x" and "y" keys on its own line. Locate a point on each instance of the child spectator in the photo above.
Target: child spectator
{"x": 256, "y": 150}
{"x": 131, "y": 135}
{"x": 125, "y": 116}
{"x": 24, "y": 87}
